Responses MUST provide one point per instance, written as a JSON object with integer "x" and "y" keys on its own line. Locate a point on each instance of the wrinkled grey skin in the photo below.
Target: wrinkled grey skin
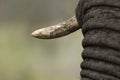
{"x": 100, "y": 21}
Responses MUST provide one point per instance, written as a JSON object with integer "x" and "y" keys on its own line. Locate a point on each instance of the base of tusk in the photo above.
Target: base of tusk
{"x": 58, "y": 30}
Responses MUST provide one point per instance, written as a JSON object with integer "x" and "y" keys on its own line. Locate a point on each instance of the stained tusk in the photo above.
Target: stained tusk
{"x": 58, "y": 30}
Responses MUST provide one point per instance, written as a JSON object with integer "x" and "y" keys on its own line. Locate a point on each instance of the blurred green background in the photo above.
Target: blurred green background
{"x": 23, "y": 57}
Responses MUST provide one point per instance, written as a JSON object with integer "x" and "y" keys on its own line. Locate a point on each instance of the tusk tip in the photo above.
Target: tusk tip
{"x": 41, "y": 33}
{"x": 35, "y": 34}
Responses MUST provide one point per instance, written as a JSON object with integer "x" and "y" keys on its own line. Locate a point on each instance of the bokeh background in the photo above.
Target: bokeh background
{"x": 23, "y": 57}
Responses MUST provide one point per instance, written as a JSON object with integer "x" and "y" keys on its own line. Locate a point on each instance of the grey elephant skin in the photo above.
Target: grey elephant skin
{"x": 100, "y": 21}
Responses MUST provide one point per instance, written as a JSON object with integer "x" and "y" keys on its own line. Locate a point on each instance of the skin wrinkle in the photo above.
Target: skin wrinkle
{"x": 94, "y": 53}
{"x": 102, "y": 50}
{"x": 84, "y": 5}
{"x": 88, "y": 4}
{"x": 100, "y": 21}
{"x": 96, "y": 75}
{"x": 91, "y": 24}
{"x": 97, "y": 21}
{"x": 92, "y": 12}
{"x": 103, "y": 69}
{"x": 101, "y": 37}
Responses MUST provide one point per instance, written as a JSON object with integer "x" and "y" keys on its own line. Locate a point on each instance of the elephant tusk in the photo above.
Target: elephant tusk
{"x": 58, "y": 30}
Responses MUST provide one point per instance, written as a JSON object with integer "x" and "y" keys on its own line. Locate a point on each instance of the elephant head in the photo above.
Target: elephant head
{"x": 100, "y": 24}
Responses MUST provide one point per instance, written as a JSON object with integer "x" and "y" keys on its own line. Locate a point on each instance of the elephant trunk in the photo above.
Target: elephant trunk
{"x": 100, "y": 21}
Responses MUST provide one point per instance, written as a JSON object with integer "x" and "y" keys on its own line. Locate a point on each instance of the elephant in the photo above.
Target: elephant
{"x": 100, "y": 24}
{"x": 100, "y": 21}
